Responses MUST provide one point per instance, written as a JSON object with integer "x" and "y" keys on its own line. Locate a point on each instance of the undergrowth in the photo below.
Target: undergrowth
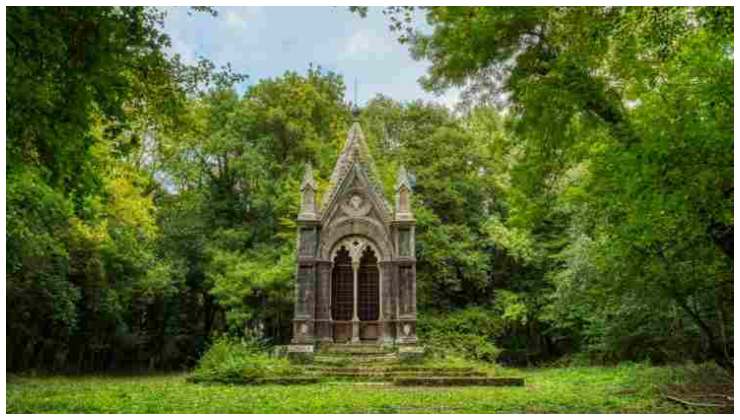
{"x": 232, "y": 360}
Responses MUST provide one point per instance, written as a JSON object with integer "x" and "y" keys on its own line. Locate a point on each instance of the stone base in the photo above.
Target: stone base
{"x": 411, "y": 354}
{"x": 301, "y": 353}
{"x": 406, "y": 341}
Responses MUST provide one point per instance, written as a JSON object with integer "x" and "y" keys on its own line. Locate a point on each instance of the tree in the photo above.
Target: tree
{"x": 619, "y": 187}
{"x": 236, "y": 164}
{"x": 86, "y": 88}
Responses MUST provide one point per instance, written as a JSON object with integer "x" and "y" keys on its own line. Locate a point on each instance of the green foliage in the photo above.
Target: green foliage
{"x": 467, "y": 333}
{"x": 617, "y": 169}
{"x": 150, "y": 206}
{"x": 87, "y": 88}
{"x": 232, "y": 360}
{"x": 236, "y": 165}
{"x": 451, "y": 196}
{"x": 265, "y": 273}
{"x": 37, "y": 260}
{"x": 627, "y": 388}
{"x": 299, "y": 117}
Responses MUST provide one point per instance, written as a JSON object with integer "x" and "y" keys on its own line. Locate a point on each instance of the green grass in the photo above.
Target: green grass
{"x": 630, "y": 388}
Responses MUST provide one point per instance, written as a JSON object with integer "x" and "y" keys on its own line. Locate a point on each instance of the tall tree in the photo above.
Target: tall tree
{"x": 625, "y": 126}
{"x": 86, "y": 88}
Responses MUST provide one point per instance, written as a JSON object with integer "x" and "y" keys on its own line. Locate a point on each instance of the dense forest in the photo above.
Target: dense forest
{"x": 576, "y": 205}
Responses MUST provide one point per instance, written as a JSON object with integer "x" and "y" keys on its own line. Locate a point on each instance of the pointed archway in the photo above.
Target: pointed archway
{"x": 368, "y": 297}
{"x": 342, "y": 295}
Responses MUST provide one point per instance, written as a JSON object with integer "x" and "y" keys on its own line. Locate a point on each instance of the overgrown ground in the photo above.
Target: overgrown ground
{"x": 628, "y": 388}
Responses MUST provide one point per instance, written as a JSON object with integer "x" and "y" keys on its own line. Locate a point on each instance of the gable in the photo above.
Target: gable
{"x": 355, "y": 197}
{"x": 355, "y": 154}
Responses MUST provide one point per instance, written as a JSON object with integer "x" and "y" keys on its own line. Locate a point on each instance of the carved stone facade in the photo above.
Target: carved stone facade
{"x": 356, "y": 271}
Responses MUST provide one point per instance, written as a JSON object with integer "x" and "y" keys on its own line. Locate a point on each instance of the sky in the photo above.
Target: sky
{"x": 265, "y": 42}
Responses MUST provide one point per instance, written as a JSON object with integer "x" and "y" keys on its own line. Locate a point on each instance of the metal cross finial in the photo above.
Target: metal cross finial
{"x": 355, "y": 108}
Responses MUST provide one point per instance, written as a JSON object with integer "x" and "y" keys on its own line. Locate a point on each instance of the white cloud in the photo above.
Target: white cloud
{"x": 179, "y": 45}
{"x": 239, "y": 19}
{"x": 364, "y": 43}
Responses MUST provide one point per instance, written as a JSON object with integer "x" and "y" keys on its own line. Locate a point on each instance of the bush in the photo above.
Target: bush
{"x": 233, "y": 360}
{"x": 468, "y": 333}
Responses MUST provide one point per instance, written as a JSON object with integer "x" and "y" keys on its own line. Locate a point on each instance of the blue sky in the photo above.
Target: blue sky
{"x": 267, "y": 41}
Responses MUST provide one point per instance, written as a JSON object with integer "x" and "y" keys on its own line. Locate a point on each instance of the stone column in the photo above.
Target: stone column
{"x": 380, "y": 304}
{"x": 323, "y": 320}
{"x": 305, "y": 289}
{"x": 406, "y": 323}
{"x": 355, "y": 318}
{"x": 403, "y": 234}
{"x": 388, "y": 304}
{"x": 306, "y": 275}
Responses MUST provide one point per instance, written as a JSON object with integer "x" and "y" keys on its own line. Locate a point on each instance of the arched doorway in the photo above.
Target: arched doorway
{"x": 355, "y": 291}
{"x": 367, "y": 278}
{"x": 342, "y": 295}
{"x": 368, "y": 296}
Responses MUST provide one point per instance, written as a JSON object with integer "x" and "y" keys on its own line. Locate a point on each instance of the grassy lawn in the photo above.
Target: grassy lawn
{"x": 624, "y": 389}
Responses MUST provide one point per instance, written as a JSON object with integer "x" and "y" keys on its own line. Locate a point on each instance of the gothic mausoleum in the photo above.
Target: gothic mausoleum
{"x": 356, "y": 271}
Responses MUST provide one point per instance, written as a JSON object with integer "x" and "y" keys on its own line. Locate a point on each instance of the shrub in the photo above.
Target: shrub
{"x": 239, "y": 361}
{"x": 468, "y": 333}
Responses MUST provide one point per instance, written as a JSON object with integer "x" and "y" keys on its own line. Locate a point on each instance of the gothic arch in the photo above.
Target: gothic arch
{"x": 360, "y": 228}
{"x": 356, "y": 245}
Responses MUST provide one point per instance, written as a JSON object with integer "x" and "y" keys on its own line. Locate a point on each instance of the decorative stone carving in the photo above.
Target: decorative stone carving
{"x": 371, "y": 229}
{"x": 356, "y": 245}
{"x": 356, "y": 206}
{"x": 355, "y": 152}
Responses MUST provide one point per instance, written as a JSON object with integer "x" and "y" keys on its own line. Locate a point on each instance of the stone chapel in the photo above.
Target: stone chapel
{"x": 356, "y": 270}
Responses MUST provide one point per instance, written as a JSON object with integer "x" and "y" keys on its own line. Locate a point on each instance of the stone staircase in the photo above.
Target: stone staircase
{"x": 378, "y": 364}
{"x": 355, "y": 355}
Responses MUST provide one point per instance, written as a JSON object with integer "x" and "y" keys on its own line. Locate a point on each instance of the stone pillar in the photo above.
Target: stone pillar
{"x": 406, "y": 322}
{"x": 305, "y": 286}
{"x": 306, "y": 273}
{"x": 380, "y": 303}
{"x": 388, "y": 304}
{"x": 323, "y": 320}
{"x": 355, "y": 318}
{"x": 403, "y": 234}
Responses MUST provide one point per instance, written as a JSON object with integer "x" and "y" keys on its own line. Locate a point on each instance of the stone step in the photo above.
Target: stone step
{"x": 400, "y": 370}
{"x": 287, "y": 380}
{"x": 457, "y": 381}
{"x": 358, "y": 355}
{"x": 355, "y": 349}
{"x": 355, "y": 358}
{"x": 344, "y": 363}
{"x": 420, "y": 374}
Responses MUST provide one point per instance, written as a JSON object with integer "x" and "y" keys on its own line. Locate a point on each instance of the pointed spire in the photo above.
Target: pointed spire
{"x": 308, "y": 181}
{"x": 403, "y": 195}
{"x": 308, "y": 195}
{"x": 355, "y": 152}
{"x": 403, "y": 178}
